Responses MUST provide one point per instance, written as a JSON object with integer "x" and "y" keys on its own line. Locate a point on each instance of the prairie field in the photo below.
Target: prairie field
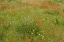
{"x": 31, "y": 20}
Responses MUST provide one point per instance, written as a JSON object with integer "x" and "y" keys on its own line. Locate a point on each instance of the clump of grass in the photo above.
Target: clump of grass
{"x": 31, "y": 29}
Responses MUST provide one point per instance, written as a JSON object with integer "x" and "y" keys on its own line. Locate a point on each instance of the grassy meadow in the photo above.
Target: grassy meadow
{"x": 31, "y": 20}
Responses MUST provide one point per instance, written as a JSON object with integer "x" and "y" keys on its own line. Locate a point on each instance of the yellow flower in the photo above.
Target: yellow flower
{"x": 38, "y": 34}
{"x": 32, "y": 33}
{"x": 33, "y": 30}
{"x": 42, "y": 36}
{"x": 43, "y": 19}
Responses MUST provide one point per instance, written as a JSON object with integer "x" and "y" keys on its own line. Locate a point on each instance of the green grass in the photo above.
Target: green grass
{"x": 30, "y": 23}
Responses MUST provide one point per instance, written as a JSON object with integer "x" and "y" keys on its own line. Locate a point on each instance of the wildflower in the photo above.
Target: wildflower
{"x": 38, "y": 34}
{"x": 43, "y": 19}
{"x": 42, "y": 37}
{"x": 33, "y": 30}
{"x": 32, "y": 33}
